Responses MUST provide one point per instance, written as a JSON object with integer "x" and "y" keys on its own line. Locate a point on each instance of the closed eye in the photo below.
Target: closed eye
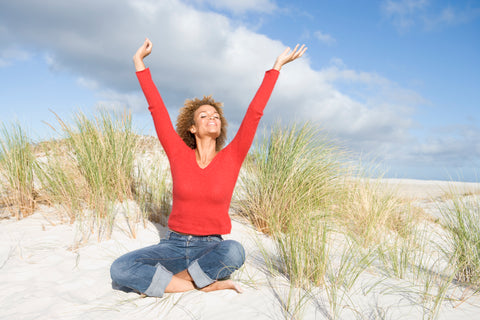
{"x": 204, "y": 116}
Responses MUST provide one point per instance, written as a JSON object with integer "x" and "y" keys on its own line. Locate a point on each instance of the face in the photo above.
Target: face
{"x": 207, "y": 122}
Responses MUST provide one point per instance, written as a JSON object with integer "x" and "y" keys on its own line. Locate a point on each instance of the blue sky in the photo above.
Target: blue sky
{"x": 396, "y": 81}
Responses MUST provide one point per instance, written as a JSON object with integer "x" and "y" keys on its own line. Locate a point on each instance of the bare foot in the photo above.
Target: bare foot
{"x": 223, "y": 285}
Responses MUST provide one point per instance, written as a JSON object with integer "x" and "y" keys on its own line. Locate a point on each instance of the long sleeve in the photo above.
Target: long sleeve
{"x": 161, "y": 119}
{"x": 202, "y": 196}
{"x": 246, "y": 133}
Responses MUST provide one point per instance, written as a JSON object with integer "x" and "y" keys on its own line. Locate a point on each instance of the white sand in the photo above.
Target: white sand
{"x": 43, "y": 277}
{"x": 430, "y": 189}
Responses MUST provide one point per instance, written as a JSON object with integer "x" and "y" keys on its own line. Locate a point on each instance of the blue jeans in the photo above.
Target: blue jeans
{"x": 149, "y": 270}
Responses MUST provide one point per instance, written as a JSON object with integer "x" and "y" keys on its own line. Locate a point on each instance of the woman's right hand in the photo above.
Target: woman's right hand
{"x": 144, "y": 50}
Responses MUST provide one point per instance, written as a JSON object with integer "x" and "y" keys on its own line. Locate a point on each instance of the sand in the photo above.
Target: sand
{"x": 43, "y": 275}
{"x": 430, "y": 189}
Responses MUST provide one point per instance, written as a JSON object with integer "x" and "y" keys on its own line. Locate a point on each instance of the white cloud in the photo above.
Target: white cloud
{"x": 443, "y": 146}
{"x": 88, "y": 83}
{"x": 376, "y": 121}
{"x": 198, "y": 53}
{"x": 325, "y": 38}
{"x": 404, "y": 7}
{"x": 451, "y": 16}
{"x": 114, "y": 101}
{"x": 406, "y": 14}
{"x": 12, "y": 55}
{"x": 240, "y": 7}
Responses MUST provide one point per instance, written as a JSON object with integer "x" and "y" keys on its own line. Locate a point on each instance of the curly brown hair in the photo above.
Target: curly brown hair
{"x": 185, "y": 121}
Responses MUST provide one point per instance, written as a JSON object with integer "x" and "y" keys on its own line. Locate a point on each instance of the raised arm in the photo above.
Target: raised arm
{"x": 246, "y": 132}
{"x": 288, "y": 56}
{"x": 161, "y": 119}
{"x": 142, "y": 52}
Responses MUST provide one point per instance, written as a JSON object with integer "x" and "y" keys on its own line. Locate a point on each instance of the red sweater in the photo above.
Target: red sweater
{"x": 201, "y": 197}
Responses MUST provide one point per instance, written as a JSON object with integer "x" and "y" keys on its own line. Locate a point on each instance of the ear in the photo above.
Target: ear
{"x": 193, "y": 129}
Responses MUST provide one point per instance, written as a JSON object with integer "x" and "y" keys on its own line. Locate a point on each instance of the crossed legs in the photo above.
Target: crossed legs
{"x": 182, "y": 282}
{"x": 178, "y": 264}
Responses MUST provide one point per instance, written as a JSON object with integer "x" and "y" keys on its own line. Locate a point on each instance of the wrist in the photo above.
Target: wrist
{"x": 138, "y": 62}
{"x": 277, "y": 66}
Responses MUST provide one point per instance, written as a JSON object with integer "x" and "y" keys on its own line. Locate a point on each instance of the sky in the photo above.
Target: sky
{"x": 394, "y": 82}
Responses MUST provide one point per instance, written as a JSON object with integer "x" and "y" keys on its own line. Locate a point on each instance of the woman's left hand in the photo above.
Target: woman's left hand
{"x": 288, "y": 56}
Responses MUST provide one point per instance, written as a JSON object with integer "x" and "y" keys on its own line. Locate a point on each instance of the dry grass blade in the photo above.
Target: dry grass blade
{"x": 17, "y": 163}
{"x": 292, "y": 170}
{"x": 461, "y": 222}
{"x": 369, "y": 213}
{"x": 92, "y": 169}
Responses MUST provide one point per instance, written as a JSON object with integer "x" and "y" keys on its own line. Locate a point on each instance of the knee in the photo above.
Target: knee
{"x": 235, "y": 253}
{"x": 118, "y": 271}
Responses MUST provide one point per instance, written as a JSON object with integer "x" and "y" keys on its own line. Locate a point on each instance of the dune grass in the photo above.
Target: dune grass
{"x": 296, "y": 186}
{"x": 290, "y": 172}
{"x": 85, "y": 172}
{"x": 61, "y": 180}
{"x": 327, "y": 224}
{"x": 343, "y": 271}
{"x": 153, "y": 188}
{"x": 368, "y": 211}
{"x": 300, "y": 190}
{"x": 304, "y": 252}
{"x": 284, "y": 191}
{"x": 104, "y": 150}
{"x": 461, "y": 221}
{"x": 17, "y": 163}
{"x": 91, "y": 169}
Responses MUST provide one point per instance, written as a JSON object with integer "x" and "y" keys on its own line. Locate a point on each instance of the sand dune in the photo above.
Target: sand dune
{"x": 43, "y": 276}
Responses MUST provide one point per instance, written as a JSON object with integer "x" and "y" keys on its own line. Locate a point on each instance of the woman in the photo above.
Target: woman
{"x": 193, "y": 255}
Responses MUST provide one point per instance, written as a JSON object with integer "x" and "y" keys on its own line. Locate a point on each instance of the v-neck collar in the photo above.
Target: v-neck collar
{"x": 194, "y": 153}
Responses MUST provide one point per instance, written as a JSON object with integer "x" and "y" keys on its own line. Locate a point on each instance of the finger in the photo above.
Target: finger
{"x": 288, "y": 55}
{"x": 148, "y": 45}
{"x": 298, "y": 52}
{"x": 302, "y": 51}
{"x": 286, "y": 51}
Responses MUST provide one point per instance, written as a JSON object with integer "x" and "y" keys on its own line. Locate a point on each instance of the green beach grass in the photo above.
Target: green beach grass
{"x": 17, "y": 163}
{"x": 461, "y": 220}
{"x": 91, "y": 170}
{"x": 329, "y": 224}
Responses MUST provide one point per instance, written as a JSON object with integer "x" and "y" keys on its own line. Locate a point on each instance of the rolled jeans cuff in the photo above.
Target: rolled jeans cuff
{"x": 160, "y": 281}
{"x": 199, "y": 277}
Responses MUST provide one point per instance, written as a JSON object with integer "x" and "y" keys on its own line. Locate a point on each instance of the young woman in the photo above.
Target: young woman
{"x": 193, "y": 254}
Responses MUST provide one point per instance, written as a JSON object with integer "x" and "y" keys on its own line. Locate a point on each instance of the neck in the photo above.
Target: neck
{"x": 206, "y": 151}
